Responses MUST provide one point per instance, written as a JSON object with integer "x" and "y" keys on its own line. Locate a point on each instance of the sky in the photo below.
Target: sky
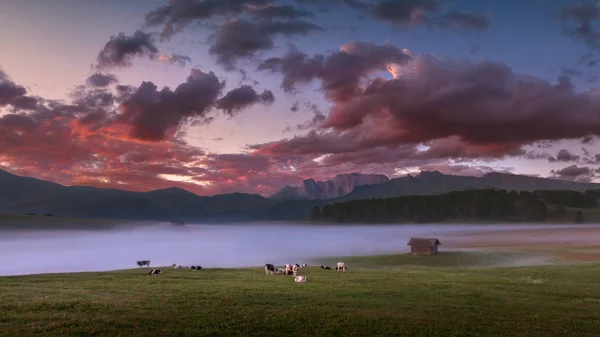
{"x": 252, "y": 95}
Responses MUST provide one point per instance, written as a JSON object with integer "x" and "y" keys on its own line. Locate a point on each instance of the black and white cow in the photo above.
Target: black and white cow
{"x": 269, "y": 269}
{"x": 196, "y": 267}
{"x": 143, "y": 263}
{"x": 325, "y": 267}
{"x": 155, "y": 272}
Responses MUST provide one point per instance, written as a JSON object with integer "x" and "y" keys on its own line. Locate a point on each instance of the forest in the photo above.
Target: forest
{"x": 485, "y": 204}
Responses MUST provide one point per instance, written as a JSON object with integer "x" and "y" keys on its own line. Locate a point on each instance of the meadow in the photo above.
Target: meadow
{"x": 392, "y": 295}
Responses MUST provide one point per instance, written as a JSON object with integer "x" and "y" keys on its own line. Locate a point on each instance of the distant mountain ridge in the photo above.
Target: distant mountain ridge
{"x": 339, "y": 186}
{"x": 30, "y": 195}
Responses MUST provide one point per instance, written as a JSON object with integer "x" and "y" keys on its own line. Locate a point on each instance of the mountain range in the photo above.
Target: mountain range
{"x": 30, "y": 195}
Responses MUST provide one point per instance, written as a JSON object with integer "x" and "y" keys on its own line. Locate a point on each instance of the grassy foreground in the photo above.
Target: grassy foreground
{"x": 407, "y": 301}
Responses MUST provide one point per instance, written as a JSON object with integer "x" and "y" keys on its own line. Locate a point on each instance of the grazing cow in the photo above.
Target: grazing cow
{"x": 325, "y": 267}
{"x": 143, "y": 263}
{"x": 341, "y": 266}
{"x": 269, "y": 269}
{"x": 291, "y": 269}
{"x": 155, "y": 272}
{"x": 300, "y": 279}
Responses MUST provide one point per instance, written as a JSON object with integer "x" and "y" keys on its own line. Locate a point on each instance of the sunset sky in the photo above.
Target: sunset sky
{"x": 250, "y": 95}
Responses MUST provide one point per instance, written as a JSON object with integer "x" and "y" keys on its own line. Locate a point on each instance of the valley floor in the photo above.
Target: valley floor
{"x": 559, "y": 300}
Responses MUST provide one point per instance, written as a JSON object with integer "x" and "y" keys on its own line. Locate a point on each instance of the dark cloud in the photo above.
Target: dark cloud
{"x": 121, "y": 49}
{"x": 24, "y": 103}
{"x": 585, "y": 152}
{"x": 154, "y": 114}
{"x": 99, "y": 80}
{"x": 415, "y": 12}
{"x": 179, "y": 13}
{"x": 564, "y": 156}
{"x": 580, "y": 21}
{"x": 470, "y": 21}
{"x": 9, "y": 90}
{"x": 341, "y": 72}
{"x": 177, "y": 59}
{"x": 238, "y": 38}
{"x": 574, "y": 173}
{"x": 243, "y": 97}
{"x": 404, "y": 11}
{"x": 316, "y": 121}
{"x": 272, "y": 11}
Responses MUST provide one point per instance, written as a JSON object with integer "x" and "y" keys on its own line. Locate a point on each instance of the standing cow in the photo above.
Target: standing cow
{"x": 143, "y": 263}
{"x": 269, "y": 269}
{"x": 341, "y": 266}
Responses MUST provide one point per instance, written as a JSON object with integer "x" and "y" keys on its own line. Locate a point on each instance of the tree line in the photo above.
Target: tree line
{"x": 477, "y": 204}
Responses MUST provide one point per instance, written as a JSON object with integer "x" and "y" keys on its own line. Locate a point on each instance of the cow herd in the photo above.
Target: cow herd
{"x": 292, "y": 269}
{"x": 270, "y": 269}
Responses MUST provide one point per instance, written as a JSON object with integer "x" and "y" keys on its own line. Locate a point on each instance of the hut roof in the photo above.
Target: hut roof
{"x": 423, "y": 242}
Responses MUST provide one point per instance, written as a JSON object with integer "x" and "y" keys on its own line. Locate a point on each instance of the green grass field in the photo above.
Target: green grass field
{"x": 417, "y": 300}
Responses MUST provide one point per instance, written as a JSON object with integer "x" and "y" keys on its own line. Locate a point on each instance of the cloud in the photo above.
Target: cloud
{"x": 414, "y": 13}
{"x": 100, "y": 80}
{"x": 155, "y": 114}
{"x": 579, "y": 21}
{"x": 574, "y": 173}
{"x": 464, "y": 170}
{"x": 243, "y": 97}
{"x": 456, "y": 108}
{"x": 272, "y": 11}
{"x": 238, "y": 38}
{"x": 9, "y": 91}
{"x": 564, "y": 156}
{"x": 341, "y": 72}
{"x": 177, "y": 59}
{"x": 121, "y": 49}
{"x": 404, "y": 12}
{"x": 179, "y": 13}
{"x": 469, "y": 21}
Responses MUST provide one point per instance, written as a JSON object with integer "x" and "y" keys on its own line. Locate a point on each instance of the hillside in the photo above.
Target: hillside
{"x": 29, "y": 195}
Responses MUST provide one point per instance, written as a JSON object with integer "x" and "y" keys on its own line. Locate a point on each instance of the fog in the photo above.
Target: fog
{"x": 222, "y": 246}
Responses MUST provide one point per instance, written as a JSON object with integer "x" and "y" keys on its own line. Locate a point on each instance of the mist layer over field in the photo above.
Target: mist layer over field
{"x": 222, "y": 246}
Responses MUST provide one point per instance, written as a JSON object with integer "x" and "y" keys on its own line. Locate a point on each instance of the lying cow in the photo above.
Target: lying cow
{"x": 325, "y": 267}
{"x": 196, "y": 267}
{"x": 143, "y": 263}
{"x": 300, "y": 279}
{"x": 269, "y": 269}
{"x": 341, "y": 266}
{"x": 304, "y": 265}
{"x": 155, "y": 272}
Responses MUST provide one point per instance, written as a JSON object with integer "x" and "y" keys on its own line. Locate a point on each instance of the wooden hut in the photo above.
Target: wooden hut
{"x": 424, "y": 246}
